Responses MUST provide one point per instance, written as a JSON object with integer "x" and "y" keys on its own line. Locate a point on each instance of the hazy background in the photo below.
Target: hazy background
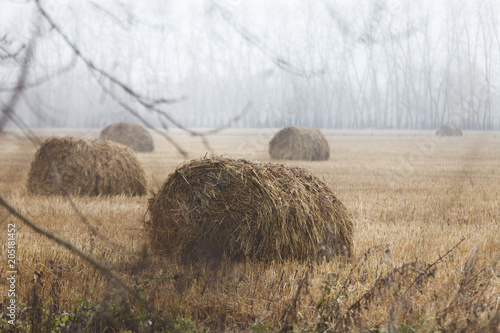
{"x": 319, "y": 63}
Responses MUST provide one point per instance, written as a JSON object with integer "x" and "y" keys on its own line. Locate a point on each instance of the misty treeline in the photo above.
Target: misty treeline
{"x": 325, "y": 64}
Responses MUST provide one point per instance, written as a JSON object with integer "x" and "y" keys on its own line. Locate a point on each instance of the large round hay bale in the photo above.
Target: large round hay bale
{"x": 129, "y": 134}
{"x": 299, "y": 143}
{"x": 449, "y": 130}
{"x": 224, "y": 208}
{"x": 85, "y": 167}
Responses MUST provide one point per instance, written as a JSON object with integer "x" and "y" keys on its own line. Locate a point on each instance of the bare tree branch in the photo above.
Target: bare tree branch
{"x": 90, "y": 64}
{"x": 4, "y": 41}
{"x": 9, "y": 114}
{"x": 131, "y": 19}
{"x": 8, "y": 109}
{"x": 419, "y": 277}
{"x": 253, "y": 40}
{"x": 103, "y": 269}
{"x": 151, "y": 105}
{"x": 39, "y": 81}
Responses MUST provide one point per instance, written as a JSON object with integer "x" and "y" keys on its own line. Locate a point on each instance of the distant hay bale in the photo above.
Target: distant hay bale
{"x": 449, "y": 130}
{"x": 214, "y": 208}
{"x": 129, "y": 134}
{"x": 85, "y": 167}
{"x": 299, "y": 143}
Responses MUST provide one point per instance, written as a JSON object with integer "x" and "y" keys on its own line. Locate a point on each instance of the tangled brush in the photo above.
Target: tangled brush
{"x": 449, "y": 130}
{"x": 129, "y": 134}
{"x": 85, "y": 167}
{"x": 224, "y": 208}
{"x": 299, "y": 143}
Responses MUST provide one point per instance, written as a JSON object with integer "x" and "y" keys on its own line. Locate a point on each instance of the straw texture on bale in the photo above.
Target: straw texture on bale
{"x": 85, "y": 167}
{"x": 449, "y": 130}
{"x": 129, "y": 134}
{"x": 218, "y": 207}
{"x": 299, "y": 143}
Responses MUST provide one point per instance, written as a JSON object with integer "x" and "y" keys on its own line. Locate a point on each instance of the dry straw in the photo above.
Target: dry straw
{"x": 449, "y": 130}
{"x": 129, "y": 134}
{"x": 299, "y": 143}
{"x": 85, "y": 167}
{"x": 214, "y": 208}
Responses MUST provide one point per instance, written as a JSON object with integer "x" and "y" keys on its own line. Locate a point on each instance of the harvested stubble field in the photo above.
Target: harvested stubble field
{"x": 426, "y": 214}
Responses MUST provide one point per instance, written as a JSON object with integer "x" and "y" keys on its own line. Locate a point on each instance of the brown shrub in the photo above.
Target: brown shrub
{"x": 214, "y": 208}
{"x": 299, "y": 143}
{"x": 85, "y": 167}
{"x": 129, "y": 134}
{"x": 449, "y": 130}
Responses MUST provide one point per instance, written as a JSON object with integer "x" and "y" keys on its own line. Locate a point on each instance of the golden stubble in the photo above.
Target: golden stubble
{"x": 411, "y": 199}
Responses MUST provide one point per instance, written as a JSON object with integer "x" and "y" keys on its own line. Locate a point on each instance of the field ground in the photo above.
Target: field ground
{"x": 412, "y": 196}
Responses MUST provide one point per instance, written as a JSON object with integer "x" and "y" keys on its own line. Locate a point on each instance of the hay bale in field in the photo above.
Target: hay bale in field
{"x": 224, "y": 208}
{"x": 129, "y": 134}
{"x": 85, "y": 167}
{"x": 449, "y": 130}
{"x": 299, "y": 143}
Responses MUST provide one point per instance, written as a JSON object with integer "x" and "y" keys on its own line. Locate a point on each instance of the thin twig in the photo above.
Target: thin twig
{"x": 44, "y": 79}
{"x": 103, "y": 269}
{"x": 81, "y": 216}
{"x": 151, "y": 105}
{"x": 433, "y": 264}
{"x": 8, "y": 109}
{"x": 467, "y": 174}
{"x": 251, "y": 39}
{"x": 291, "y": 308}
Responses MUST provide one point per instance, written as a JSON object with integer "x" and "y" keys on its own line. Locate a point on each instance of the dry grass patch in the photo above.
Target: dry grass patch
{"x": 412, "y": 200}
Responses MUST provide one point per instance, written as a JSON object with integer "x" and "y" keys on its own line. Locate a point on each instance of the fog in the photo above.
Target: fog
{"x": 323, "y": 63}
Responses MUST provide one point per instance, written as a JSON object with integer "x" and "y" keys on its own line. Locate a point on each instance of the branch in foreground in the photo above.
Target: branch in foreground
{"x": 151, "y": 105}
{"x": 8, "y": 109}
{"x": 253, "y": 40}
{"x": 103, "y": 269}
{"x": 433, "y": 264}
{"x": 36, "y": 142}
{"x": 382, "y": 284}
{"x": 9, "y": 54}
{"x": 69, "y": 199}
{"x": 142, "y": 119}
{"x": 39, "y": 81}
{"x": 9, "y": 114}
